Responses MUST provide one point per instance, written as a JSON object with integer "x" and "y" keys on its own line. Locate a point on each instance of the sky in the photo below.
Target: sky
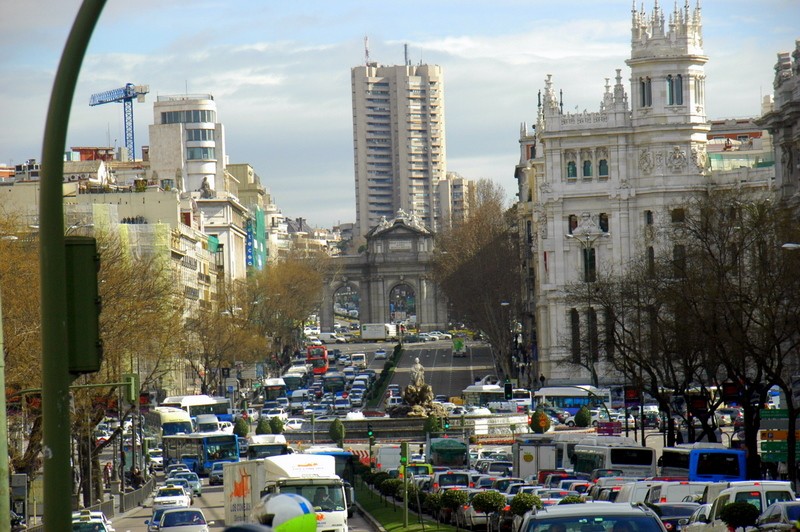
{"x": 280, "y": 74}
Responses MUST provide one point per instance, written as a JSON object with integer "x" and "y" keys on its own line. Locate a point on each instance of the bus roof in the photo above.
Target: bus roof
{"x": 275, "y": 381}
{"x": 192, "y": 400}
{"x": 580, "y": 389}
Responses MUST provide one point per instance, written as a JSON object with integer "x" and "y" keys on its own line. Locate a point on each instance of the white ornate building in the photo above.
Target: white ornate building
{"x": 596, "y": 184}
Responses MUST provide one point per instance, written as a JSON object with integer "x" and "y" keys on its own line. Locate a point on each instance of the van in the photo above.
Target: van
{"x": 331, "y": 338}
{"x": 446, "y": 479}
{"x": 634, "y": 491}
{"x": 758, "y": 493}
{"x": 299, "y": 400}
{"x": 678, "y": 491}
{"x": 358, "y": 360}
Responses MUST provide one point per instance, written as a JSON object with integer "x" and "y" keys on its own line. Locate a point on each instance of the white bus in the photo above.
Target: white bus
{"x": 483, "y": 394}
{"x": 168, "y": 421}
{"x": 201, "y": 404}
{"x": 614, "y": 453}
{"x": 572, "y": 398}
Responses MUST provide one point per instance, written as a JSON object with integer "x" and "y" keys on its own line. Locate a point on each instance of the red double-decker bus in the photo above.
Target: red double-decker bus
{"x": 317, "y": 357}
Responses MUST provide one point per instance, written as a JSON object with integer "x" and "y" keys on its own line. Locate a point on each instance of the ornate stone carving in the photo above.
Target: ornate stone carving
{"x": 659, "y": 160}
{"x": 602, "y": 153}
{"x": 699, "y": 157}
{"x": 676, "y": 160}
{"x": 646, "y": 161}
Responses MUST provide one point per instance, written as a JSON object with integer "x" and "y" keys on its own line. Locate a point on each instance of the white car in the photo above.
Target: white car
{"x": 275, "y": 412}
{"x": 380, "y": 354}
{"x": 171, "y": 496}
{"x": 442, "y": 335}
{"x": 293, "y": 423}
{"x": 87, "y": 516}
{"x": 183, "y": 520}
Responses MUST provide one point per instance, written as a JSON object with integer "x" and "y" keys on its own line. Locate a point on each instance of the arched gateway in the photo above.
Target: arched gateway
{"x": 394, "y": 277}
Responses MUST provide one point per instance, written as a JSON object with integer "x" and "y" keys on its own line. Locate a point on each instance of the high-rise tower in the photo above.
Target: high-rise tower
{"x": 399, "y": 142}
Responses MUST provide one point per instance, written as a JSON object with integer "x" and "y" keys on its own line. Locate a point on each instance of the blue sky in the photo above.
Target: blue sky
{"x": 280, "y": 74}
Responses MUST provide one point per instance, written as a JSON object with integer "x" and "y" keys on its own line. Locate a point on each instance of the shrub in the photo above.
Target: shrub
{"x": 540, "y": 421}
{"x": 276, "y": 425}
{"x": 413, "y": 493}
{"x": 433, "y": 503}
{"x": 368, "y": 477}
{"x": 336, "y": 432}
{"x": 452, "y": 499}
{"x": 263, "y": 426}
{"x": 739, "y": 515}
{"x": 432, "y": 425}
{"x": 389, "y": 487}
{"x": 571, "y": 499}
{"x": 241, "y": 427}
{"x": 522, "y": 502}
{"x": 583, "y": 418}
{"x": 378, "y": 478}
{"x": 489, "y": 501}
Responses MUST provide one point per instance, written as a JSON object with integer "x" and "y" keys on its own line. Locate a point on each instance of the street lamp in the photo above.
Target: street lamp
{"x": 587, "y": 234}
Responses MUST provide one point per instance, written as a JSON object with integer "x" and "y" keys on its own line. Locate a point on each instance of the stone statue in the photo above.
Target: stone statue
{"x": 417, "y": 374}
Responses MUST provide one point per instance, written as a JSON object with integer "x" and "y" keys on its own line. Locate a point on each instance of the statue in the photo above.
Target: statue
{"x": 417, "y": 374}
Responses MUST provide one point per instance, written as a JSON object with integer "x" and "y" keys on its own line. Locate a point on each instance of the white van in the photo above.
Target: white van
{"x": 759, "y": 493}
{"x": 634, "y": 491}
{"x": 676, "y": 491}
{"x": 358, "y": 360}
{"x": 331, "y": 338}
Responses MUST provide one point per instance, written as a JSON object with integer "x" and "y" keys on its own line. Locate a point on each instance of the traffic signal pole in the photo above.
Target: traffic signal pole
{"x": 55, "y": 357}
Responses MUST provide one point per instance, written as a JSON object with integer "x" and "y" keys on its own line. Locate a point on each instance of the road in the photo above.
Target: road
{"x": 446, "y": 375}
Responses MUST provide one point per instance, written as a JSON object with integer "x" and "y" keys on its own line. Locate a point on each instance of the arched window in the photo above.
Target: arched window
{"x": 670, "y": 91}
{"x": 603, "y": 222}
{"x": 587, "y": 168}
{"x": 572, "y": 170}
{"x": 678, "y": 90}
{"x": 575, "y": 325}
{"x": 573, "y": 223}
{"x": 645, "y": 92}
{"x": 602, "y": 168}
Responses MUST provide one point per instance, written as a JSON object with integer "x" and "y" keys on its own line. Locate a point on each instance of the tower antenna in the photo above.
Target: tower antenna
{"x": 405, "y": 53}
{"x": 366, "y": 50}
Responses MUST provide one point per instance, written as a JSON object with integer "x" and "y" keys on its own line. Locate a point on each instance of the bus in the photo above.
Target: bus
{"x": 273, "y": 388}
{"x": 614, "y": 452}
{"x": 200, "y": 451}
{"x": 167, "y": 421}
{"x": 201, "y": 404}
{"x": 483, "y": 394}
{"x": 264, "y": 445}
{"x": 317, "y": 357}
{"x": 333, "y": 382}
{"x": 703, "y": 462}
{"x": 345, "y": 460}
{"x": 296, "y": 378}
{"x": 572, "y": 398}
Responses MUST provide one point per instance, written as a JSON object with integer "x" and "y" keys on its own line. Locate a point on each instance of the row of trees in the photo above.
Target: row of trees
{"x": 149, "y": 327}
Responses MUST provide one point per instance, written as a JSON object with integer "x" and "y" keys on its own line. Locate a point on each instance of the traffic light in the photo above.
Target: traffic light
{"x": 370, "y": 434}
{"x": 84, "y": 346}
{"x": 404, "y": 453}
{"x": 446, "y": 423}
{"x": 508, "y": 390}
{"x": 131, "y": 391}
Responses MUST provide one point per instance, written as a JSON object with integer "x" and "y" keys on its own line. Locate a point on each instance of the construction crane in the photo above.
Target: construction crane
{"x": 125, "y": 95}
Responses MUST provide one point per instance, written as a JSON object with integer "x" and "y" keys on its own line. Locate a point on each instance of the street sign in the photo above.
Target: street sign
{"x": 773, "y": 434}
{"x": 774, "y": 413}
{"x": 609, "y": 428}
{"x": 777, "y": 445}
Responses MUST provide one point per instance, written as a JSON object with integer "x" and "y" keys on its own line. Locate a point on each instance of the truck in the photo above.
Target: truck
{"x": 331, "y": 338}
{"x": 387, "y": 457}
{"x": 448, "y": 452}
{"x": 311, "y": 476}
{"x": 264, "y": 445}
{"x": 378, "y": 332}
{"x": 532, "y": 453}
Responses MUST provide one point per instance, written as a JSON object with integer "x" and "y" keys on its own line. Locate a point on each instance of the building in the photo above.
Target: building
{"x": 456, "y": 194}
{"x": 597, "y": 185}
{"x": 399, "y": 142}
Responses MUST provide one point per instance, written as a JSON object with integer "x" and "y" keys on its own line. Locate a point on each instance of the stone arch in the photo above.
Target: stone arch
{"x": 402, "y": 300}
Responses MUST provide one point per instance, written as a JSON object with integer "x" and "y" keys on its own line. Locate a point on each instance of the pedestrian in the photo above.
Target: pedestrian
{"x": 783, "y": 470}
{"x": 107, "y": 474}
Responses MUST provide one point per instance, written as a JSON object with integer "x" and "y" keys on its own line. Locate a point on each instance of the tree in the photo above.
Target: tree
{"x": 739, "y": 515}
{"x": 336, "y": 432}
{"x": 488, "y": 502}
{"x": 241, "y": 427}
{"x": 263, "y": 426}
{"x": 276, "y": 425}
{"x": 583, "y": 418}
{"x": 477, "y": 266}
{"x": 540, "y": 421}
{"x": 452, "y": 499}
{"x": 524, "y": 502}
{"x": 432, "y": 425}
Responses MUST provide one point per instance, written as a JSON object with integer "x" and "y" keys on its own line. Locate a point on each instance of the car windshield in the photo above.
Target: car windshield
{"x": 170, "y": 492}
{"x": 88, "y": 527}
{"x": 595, "y": 524}
{"x": 326, "y": 498}
{"x": 182, "y": 518}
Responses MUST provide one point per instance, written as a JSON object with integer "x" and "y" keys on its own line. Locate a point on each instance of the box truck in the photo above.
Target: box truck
{"x": 378, "y": 332}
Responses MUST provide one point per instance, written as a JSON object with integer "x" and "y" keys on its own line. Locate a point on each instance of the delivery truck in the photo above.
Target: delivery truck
{"x": 378, "y": 332}
{"x": 309, "y": 475}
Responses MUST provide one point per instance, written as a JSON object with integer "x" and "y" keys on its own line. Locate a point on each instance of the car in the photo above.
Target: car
{"x": 342, "y": 405}
{"x": 441, "y": 335}
{"x": 89, "y": 525}
{"x": 591, "y": 517}
{"x": 698, "y": 520}
{"x": 675, "y": 515}
{"x": 195, "y": 483}
{"x": 183, "y": 483}
{"x": 293, "y": 423}
{"x": 152, "y": 523}
{"x": 171, "y": 495}
{"x": 88, "y": 516}
{"x": 174, "y": 467}
{"x": 215, "y": 475}
{"x": 380, "y": 354}
{"x": 183, "y": 520}
{"x": 779, "y": 516}
{"x": 278, "y": 412}
{"x": 155, "y": 460}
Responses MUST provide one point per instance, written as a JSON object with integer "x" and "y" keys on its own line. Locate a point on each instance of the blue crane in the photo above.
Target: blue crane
{"x": 125, "y": 95}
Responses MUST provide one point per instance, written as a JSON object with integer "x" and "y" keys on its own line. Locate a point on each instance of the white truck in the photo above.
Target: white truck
{"x": 378, "y": 332}
{"x": 387, "y": 457}
{"x": 533, "y": 453}
{"x": 312, "y": 476}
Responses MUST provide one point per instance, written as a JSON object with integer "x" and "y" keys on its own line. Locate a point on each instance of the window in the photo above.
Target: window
{"x": 675, "y": 90}
{"x": 575, "y": 323}
{"x": 603, "y": 219}
{"x": 645, "y": 92}
{"x": 587, "y": 168}
{"x": 572, "y": 223}
{"x": 651, "y": 262}
{"x": 609, "y": 332}
{"x": 589, "y": 265}
{"x": 679, "y": 261}
{"x": 200, "y": 134}
{"x": 602, "y": 168}
{"x": 594, "y": 338}
{"x": 670, "y": 91}
{"x": 572, "y": 170}
{"x": 678, "y": 216}
{"x": 648, "y": 217}
{"x": 183, "y": 117}
{"x": 193, "y": 154}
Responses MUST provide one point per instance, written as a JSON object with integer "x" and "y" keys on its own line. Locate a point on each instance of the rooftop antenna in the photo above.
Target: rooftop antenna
{"x": 366, "y": 50}
{"x": 405, "y": 53}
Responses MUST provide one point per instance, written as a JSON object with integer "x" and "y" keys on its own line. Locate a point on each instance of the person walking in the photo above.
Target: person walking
{"x": 107, "y": 474}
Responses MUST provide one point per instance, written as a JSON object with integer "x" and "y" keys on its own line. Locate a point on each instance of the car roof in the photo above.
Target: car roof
{"x": 591, "y": 508}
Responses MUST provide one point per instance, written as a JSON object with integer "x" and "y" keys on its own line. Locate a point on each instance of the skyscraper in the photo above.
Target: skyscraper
{"x": 399, "y": 142}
